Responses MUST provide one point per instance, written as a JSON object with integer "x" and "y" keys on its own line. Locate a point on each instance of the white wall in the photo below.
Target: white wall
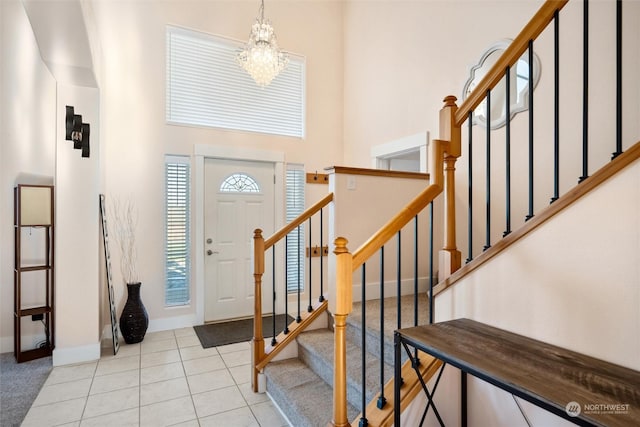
{"x": 572, "y": 283}
{"x": 77, "y": 233}
{"x": 34, "y": 150}
{"x": 27, "y": 136}
{"x": 362, "y": 204}
{"x": 136, "y": 137}
{"x": 396, "y": 77}
{"x": 425, "y": 53}
{"x": 601, "y": 129}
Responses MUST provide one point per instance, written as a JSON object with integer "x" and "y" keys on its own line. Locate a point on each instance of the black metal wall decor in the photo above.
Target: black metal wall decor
{"x": 77, "y": 131}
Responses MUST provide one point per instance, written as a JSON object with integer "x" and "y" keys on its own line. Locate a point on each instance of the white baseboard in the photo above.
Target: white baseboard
{"x": 80, "y": 354}
{"x": 168, "y": 323}
{"x": 6, "y": 344}
{"x": 157, "y": 325}
{"x": 30, "y": 341}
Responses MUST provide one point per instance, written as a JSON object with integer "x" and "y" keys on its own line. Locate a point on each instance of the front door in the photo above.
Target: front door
{"x": 239, "y": 197}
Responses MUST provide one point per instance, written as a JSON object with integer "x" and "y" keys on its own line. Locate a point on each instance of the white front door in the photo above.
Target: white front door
{"x": 239, "y": 197}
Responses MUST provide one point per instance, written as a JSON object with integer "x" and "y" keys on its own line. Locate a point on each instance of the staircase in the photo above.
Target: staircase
{"x": 302, "y": 386}
{"x": 324, "y": 384}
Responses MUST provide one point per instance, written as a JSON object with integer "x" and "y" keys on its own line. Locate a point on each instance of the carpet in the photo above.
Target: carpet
{"x": 216, "y": 334}
{"x": 20, "y": 384}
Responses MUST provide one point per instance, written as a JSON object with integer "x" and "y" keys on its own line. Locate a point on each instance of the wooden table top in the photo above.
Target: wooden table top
{"x": 546, "y": 375}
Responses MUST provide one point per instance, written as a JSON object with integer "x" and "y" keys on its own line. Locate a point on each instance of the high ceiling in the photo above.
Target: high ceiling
{"x": 60, "y": 31}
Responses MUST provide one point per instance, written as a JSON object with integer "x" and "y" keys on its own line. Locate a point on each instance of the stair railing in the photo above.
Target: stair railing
{"x": 443, "y": 151}
{"x": 547, "y": 16}
{"x": 261, "y": 354}
{"x": 534, "y": 185}
{"x": 452, "y": 120}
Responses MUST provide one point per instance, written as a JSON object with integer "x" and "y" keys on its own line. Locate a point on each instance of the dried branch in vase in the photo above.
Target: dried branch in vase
{"x": 125, "y": 219}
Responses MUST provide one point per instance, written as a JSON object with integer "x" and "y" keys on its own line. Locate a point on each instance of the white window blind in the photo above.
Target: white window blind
{"x": 295, "y": 240}
{"x": 206, "y": 87}
{"x": 178, "y": 231}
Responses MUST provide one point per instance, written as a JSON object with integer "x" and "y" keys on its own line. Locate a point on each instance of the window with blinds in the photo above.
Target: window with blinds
{"x": 206, "y": 87}
{"x": 295, "y": 239}
{"x": 178, "y": 231}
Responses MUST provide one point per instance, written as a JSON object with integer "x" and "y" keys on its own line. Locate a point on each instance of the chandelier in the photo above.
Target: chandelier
{"x": 262, "y": 57}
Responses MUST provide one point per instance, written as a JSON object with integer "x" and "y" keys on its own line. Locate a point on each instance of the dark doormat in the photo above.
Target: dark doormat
{"x": 215, "y": 334}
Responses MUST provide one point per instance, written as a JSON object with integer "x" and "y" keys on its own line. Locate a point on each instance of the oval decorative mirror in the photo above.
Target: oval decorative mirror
{"x": 519, "y": 85}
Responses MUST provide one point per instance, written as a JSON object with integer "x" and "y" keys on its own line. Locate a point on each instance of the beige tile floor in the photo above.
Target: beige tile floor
{"x": 167, "y": 380}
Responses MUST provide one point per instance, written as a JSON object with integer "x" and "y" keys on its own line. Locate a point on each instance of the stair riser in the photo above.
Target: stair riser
{"x": 301, "y": 395}
{"x": 324, "y": 369}
{"x": 372, "y": 342}
{"x": 320, "y": 361}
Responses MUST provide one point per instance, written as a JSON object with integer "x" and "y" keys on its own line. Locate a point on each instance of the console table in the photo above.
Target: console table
{"x": 576, "y": 387}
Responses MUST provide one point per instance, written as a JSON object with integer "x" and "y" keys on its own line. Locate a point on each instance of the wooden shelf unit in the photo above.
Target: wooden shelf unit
{"x": 33, "y": 207}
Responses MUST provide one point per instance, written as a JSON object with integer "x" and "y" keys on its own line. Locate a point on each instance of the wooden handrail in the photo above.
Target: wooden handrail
{"x": 622, "y": 161}
{"x": 295, "y": 329}
{"x": 391, "y": 228}
{"x": 510, "y": 57}
{"x": 260, "y": 245}
{"x": 278, "y": 235}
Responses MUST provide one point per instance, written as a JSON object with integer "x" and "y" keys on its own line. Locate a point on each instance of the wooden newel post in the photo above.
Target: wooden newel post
{"x": 344, "y": 302}
{"x": 450, "y": 256}
{"x": 258, "y": 340}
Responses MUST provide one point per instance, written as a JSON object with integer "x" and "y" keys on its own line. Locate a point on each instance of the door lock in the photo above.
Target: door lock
{"x": 209, "y": 241}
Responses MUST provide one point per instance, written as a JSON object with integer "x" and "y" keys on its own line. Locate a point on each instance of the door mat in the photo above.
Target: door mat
{"x": 216, "y": 334}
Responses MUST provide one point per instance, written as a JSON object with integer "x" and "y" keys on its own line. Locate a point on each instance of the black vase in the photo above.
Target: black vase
{"x": 134, "y": 319}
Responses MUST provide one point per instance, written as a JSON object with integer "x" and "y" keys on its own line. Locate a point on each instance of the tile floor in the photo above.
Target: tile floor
{"x": 167, "y": 380}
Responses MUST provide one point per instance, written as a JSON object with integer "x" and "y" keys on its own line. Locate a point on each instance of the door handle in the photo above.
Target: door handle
{"x": 210, "y": 252}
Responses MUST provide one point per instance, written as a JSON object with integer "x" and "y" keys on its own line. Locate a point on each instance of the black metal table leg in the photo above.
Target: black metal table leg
{"x": 416, "y": 368}
{"x": 463, "y": 399}
{"x": 397, "y": 381}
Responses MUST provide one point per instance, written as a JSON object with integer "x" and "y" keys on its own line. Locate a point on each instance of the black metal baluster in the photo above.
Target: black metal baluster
{"x": 381, "y": 399}
{"x": 487, "y": 244}
{"x": 530, "y": 214}
{"x": 363, "y": 420}
{"x": 286, "y": 284}
{"x": 415, "y": 276}
{"x": 399, "y": 279}
{"x": 299, "y": 318}
{"x": 273, "y": 286}
{"x": 585, "y": 95}
{"x": 310, "y": 307}
{"x": 556, "y": 107}
{"x": 431, "y": 263}
{"x": 415, "y": 271}
{"x": 618, "y": 80}
{"x": 321, "y": 298}
{"x": 508, "y": 153}
{"x": 470, "y": 167}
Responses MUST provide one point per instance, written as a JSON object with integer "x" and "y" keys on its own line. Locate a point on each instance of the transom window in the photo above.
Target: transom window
{"x": 206, "y": 87}
{"x": 239, "y": 183}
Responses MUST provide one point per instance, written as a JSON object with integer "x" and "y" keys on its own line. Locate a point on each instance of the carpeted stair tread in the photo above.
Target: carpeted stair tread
{"x": 303, "y": 396}
{"x": 302, "y": 387}
{"x": 315, "y": 349}
{"x": 354, "y": 321}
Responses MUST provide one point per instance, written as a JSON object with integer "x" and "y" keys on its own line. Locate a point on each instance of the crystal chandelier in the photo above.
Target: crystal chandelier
{"x": 262, "y": 57}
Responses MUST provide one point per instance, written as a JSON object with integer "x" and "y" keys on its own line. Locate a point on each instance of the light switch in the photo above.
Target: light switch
{"x": 351, "y": 182}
